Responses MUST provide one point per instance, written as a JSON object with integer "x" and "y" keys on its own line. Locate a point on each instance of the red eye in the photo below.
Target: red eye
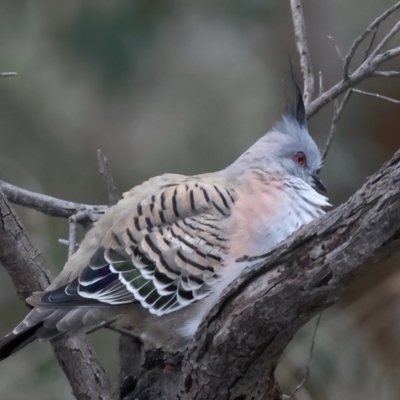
{"x": 300, "y": 158}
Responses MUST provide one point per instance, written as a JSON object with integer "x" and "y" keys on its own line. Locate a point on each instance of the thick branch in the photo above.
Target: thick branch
{"x": 236, "y": 349}
{"x": 29, "y": 273}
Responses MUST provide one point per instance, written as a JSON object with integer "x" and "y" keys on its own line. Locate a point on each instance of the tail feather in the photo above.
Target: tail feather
{"x": 14, "y": 342}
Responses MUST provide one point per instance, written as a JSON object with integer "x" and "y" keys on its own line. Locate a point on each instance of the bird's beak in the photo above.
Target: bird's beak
{"x": 318, "y": 183}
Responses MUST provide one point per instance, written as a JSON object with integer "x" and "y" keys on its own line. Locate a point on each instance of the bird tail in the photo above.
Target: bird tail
{"x": 13, "y": 342}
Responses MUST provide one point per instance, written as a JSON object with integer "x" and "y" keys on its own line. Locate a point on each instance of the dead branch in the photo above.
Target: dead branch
{"x": 105, "y": 172}
{"x": 6, "y": 74}
{"x": 365, "y": 71}
{"x": 71, "y": 236}
{"x": 376, "y": 95}
{"x": 368, "y": 68}
{"x": 386, "y": 74}
{"x": 28, "y": 272}
{"x": 130, "y": 347}
{"x": 302, "y": 48}
{"x": 307, "y": 369}
{"x": 337, "y": 113}
{"x": 47, "y": 204}
{"x": 372, "y": 27}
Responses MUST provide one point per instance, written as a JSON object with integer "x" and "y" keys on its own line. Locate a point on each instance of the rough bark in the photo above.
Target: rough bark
{"x": 28, "y": 272}
{"x": 236, "y": 350}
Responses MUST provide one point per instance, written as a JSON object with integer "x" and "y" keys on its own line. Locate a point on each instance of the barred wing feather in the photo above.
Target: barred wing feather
{"x": 166, "y": 255}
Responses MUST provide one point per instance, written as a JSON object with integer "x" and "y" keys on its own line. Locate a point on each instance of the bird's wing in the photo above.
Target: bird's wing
{"x": 166, "y": 253}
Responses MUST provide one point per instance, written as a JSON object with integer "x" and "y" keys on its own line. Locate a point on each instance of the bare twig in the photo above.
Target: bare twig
{"x": 105, "y": 172}
{"x": 366, "y": 70}
{"x": 321, "y": 84}
{"x": 371, "y": 43}
{"x": 307, "y": 369}
{"x": 131, "y": 363}
{"x": 337, "y": 112}
{"x": 103, "y": 324}
{"x": 5, "y": 74}
{"x": 65, "y": 242}
{"x": 378, "y": 49}
{"x": 72, "y": 236}
{"x": 374, "y": 25}
{"x": 47, "y": 204}
{"x": 121, "y": 331}
{"x": 386, "y": 74}
{"x": 337, "y": 48}
{"x": 302, "y": 48}
{"x": 376, "y": 95}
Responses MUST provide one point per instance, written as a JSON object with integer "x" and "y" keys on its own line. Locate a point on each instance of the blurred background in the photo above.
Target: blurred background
{"x": 186, "y": 86}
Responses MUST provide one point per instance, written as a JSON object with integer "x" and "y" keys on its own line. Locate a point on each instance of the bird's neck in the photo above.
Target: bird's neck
{"x": 270, "y": 207}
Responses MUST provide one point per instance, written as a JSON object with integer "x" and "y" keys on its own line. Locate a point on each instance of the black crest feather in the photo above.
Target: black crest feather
{"x": 295, "y": 107}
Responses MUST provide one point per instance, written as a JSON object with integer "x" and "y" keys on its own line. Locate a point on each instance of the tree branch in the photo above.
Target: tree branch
{"x": 376, "y": 95}
{"x": 368, "y": 67}
{"x": 49, "y": 205}
{"x": 372, "y": 27}
{"x": 236, "y": 349}
{"x": 366, "y": 70}
{"x": 6, "y": 74}
{"x": 337, "y": 113}
{"x": 105, "y": 172}
{"x": 300, "y": 37}
{"x": 386, "y": 74}
{"x": 28, "y": 272}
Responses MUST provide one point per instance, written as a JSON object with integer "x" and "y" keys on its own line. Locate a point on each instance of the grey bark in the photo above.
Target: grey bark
{"x": 236, "y": 349}
{"x": 28, "y": 272}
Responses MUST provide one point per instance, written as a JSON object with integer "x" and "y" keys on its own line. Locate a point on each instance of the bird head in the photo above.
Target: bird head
{"x": 288, "y": 147}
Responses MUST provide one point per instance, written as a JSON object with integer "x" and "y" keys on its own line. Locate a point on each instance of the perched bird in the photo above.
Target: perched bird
{"x": 159, "y": 258}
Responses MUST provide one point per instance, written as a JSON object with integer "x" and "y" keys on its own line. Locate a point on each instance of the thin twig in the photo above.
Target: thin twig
{"x": 337, "y": 48}
{"x": 108, "y": 325}
{"x": 376, "y": 95}
{"x": 321, "y": 84}
{"x": 363, "y": 72}
{"x": 5, "y": 74}
{"x": 307, "y": 369}
{"x": 105, "y": 172}
{"x": 378, "y": 49}
{"x": 71, "y": 236}
{"x": 122, "y": 331}
{"x": 65, "y": 242}
{"x": 337, "y": 112}
{"x": 371, "y": 43}
{"x": 302, "y": 48}
{"x": 386, "y": 74}
{"x": 103, "y": 324}
{"x": 360, "y": 38}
